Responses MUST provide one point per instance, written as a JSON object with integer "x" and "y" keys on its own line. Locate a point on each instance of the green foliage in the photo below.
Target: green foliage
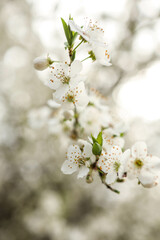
{"x": 70, "y": 35}
{"x": 73, "y": 55}
{"x": 96, "y": 149}
{"x": 67, "y": 32}
{"x": 97, "y": 144}
{"x": 100, "y": 139}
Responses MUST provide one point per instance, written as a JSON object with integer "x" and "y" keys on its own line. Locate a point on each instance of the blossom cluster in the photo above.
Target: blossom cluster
{"x": 96, "y": 136}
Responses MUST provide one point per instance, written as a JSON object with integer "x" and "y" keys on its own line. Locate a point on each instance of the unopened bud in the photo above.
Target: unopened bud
{"x": 41, "y": 63}
{"x": 89, "y": 178}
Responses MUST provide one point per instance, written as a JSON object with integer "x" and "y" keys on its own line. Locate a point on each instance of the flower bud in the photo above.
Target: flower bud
{"x": 89, "y": 178}
{"x": 41, "y": 63}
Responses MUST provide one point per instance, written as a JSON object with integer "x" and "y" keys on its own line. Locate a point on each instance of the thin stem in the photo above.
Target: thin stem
{"x": 112, "y": 189}
{"x": 108, "y": 186}
{"x": 77, "y": 45}
{"x": 70, "y": 52}
{"x": 86, "y": 58}
{"x": 74, "y": 133}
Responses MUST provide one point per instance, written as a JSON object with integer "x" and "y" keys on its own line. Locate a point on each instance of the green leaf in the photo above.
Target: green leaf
{"x": 96, "y": 149}
{"x": 66, "y": 31}
{"x": 94, "y": 139}
{"x": 73, "y": 55}
{"x": 100, "y": 139}
{"x": 74, "y": 37}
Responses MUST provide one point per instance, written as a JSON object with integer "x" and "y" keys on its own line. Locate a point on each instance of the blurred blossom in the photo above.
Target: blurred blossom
{"x": 37, "y": 202}
{"x": 144, "y": 44}
{"x": 16, "y": 57}
{"x": 38, "y": 117}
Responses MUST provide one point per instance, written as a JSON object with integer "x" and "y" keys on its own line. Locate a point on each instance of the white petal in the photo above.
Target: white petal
{"x": 139, "y": 150}
{"x": 119, "y": 141}
{"x": 69, "y": 167}
{"x": 123, "y": 160}
{"x": 153, "y": 162}
{"x": 148, "y": 179}
{"x": 74, "y": 81}
{"x": 53, "y": 83}
{"x": 87, "y": 150}
{"x": 76, "y": 67}
{"x": 61, "y": 91}
{"x": 83, "y": 171}
{"x": 111, "y": 177}
{"x": 73, "y": 152}
{"x": 81, "y": 142}
{"x": 82, "y": 98}
{"x": 53, "y": 104}
{"x": 116, "y": 152}
{"x": 74, "y": 27}
{"x": 101, "y": 55}
{"x": 104, "y": 163}
{"x": 65, "y": 68}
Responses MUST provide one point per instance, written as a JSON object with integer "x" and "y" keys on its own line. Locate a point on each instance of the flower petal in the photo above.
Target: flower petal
{"x": 76, "y": 67}
{"x": 81, "y": 97}
{"x": 153, "y": 163}
{"x": 74, "y": 27}
{"x": 147, "y": 179}
{"x": 61, "y": 91}
{"x": 123, "y": 160}
{"x": 73, "y": 152}
{"x": 83, "y": 171}
{"x": 139, "y": 150}
{"x": 116, "y": 152}
{"x": 53, "y": 83}
{"x": 69, "y": 167}
{"x": 111, "y": 177}
{"x": 87, "y": 150}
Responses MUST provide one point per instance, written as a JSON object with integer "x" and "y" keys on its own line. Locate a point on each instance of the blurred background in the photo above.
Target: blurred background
{"x": 38, "y": 202}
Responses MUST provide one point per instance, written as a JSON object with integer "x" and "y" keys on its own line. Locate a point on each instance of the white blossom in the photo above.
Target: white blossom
{"x": 58, "y": 124}
{"x": 143, "y": 166}
{"x": 110, "y": 140}
{"x": 98, "y": 100}
{"x": 113, "y": 163}
{"x": 92, "y": 120}
{"x": 91, "y": 32}
{"x": 63, "y": 77}
{"x": 94, "y": 35}
{"x": 38, "y": 118}
{"x": 102, "y": 53}
{"x": 75, "y": 96}
{"x": 78, "y": 160}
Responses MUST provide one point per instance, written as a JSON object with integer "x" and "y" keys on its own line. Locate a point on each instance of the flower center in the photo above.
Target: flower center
{"x": 66, "y": 80}
{"x": 70, "y": 97}
{"x": 116, "y": 166}
{"x": 81, "y": 161}
{"x": 138, "y": 163}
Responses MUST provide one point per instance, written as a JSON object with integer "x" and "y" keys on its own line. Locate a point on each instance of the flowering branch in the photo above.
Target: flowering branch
{"x": 98, "y": 138}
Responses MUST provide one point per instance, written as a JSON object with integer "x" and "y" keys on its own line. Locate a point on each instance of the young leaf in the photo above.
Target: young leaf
{"x": 96, "y": 149}
{"x": 100, "y": 139}
{"x": 66, "y": 31}
{"x": 73, "y": 55}
{"x": 74, "y": 37}
{"x": 93, "y": 139}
